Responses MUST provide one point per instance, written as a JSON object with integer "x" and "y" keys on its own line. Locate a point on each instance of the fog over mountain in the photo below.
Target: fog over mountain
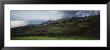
{"x": 18, "y": 23}
{"x": 25, "y": 17}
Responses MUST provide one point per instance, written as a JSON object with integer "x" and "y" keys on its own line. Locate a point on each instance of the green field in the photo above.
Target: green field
{"x": 55, "y": 38}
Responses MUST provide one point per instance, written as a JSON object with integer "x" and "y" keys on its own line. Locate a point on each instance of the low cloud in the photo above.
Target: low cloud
{"x": 17, "y": 23}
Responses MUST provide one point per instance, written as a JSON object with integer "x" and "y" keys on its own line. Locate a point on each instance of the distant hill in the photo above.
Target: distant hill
{"x": 74, "y": 26}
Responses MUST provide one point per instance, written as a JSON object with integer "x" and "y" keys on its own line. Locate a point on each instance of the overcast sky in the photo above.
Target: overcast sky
{"x": 25, "y": 17}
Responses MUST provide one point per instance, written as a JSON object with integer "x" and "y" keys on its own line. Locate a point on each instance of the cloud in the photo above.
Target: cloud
{"x": 24, "y": 17}
{"x": 35, "y": 15}
{"x": 43, "y": 18}
{"x": 80, "y": 13}
{"x": 17, "y": 23}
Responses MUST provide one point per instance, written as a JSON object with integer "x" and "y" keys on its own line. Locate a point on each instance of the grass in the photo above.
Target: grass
{"x": 55, "y": 38}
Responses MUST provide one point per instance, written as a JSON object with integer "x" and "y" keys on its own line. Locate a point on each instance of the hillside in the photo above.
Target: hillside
{"x": 74, "y": 26}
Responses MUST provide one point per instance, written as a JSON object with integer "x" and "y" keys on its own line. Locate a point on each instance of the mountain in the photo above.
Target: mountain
{"x": 68, "y": 26}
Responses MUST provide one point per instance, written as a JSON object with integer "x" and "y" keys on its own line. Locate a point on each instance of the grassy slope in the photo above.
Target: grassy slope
{"x": 87, "y": 28}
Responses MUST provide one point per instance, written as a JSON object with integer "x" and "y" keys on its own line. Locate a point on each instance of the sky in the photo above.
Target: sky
{"x": 25, "y": 17}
